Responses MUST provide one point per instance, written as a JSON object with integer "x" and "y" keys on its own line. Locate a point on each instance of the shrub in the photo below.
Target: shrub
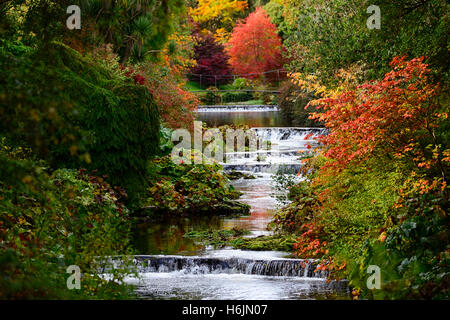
{"x": 193, "y": 188}
{"x": 73, "y": 112}
{"x": 50, "y": 221}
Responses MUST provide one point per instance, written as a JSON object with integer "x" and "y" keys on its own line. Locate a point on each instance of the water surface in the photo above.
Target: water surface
{"x": 206, "y": 281}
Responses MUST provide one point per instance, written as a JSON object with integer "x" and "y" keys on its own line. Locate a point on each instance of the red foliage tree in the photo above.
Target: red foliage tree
{"x": 211, "y": 60}
{"x": 391, "y": 116}
{"x": 175, "y": 105}
{"x": 255, "y": 46}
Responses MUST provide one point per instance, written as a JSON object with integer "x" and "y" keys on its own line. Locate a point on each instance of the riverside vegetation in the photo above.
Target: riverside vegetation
{"x": 86, "y": 119}
{"x": 83, "y": 148}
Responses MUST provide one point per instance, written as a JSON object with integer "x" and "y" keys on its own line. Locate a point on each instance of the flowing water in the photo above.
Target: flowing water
{"x": 174, "y": 267}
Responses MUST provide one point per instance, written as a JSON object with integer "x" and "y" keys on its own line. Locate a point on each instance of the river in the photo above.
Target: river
{"x": 174, "y": 267}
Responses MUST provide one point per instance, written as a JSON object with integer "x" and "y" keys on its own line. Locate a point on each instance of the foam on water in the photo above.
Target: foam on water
{"x": 239, "y": 274}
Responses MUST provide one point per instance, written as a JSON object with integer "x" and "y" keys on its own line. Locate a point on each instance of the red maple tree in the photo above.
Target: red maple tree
{"x": 387, "y": 116}
{"x": 255, "y": 46}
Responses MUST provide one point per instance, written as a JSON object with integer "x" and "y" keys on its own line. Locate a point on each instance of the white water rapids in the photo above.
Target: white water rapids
{"x": 237, "y": 274}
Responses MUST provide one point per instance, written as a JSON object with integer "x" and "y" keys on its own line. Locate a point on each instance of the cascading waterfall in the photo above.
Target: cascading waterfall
{"x": 279, "y": 152}
{"x": 207, "y": 265}
{"x": 288, "y": 133}
{"x": 239, "y": 274}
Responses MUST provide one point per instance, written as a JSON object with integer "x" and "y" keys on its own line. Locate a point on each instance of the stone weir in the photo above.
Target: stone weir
{"x": 205, "y": 265}
{"x": 237, "y": 108}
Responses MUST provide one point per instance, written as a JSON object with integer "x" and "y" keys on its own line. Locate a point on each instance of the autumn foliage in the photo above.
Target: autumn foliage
{"x": 391, "y": 116}
{"x": 380, "y": 174}
{"x": 212, "y": 61}
{"x": 255, "y": 46}
{"x": 217, "y": 16}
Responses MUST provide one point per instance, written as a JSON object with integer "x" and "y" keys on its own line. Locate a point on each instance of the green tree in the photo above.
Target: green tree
{"x": 325, "y": 36}
{"x": 137, "y": 29}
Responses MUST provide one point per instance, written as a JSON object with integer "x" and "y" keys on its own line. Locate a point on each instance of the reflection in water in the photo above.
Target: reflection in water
{"x": 252, "y": 119}
{"x": 167, "y": 236}
{"x": 176, "y": 285}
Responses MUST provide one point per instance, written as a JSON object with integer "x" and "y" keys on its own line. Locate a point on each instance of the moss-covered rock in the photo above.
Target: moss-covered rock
{"x": 190, "y": 189}
{"x": 216, "y": 238}
{"x": 263, "y": 243}
{"x": 234, "y": 175}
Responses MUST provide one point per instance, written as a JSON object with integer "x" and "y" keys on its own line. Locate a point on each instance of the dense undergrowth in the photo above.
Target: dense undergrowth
{"x": 52, "y": 220}
{"x": 84, "y": 134}
{"x": 376, "y": 193}
{"x": 78, "y": 160}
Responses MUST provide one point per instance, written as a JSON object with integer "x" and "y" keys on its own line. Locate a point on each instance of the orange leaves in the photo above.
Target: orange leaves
{"x": 446, "y": 154}
{"x": 308, "y": 244}
{"x": 425, "y": 185}
{"x": 255, "y": 46}
{"x": 388, "y": 115}
{"x": 443, "y": 115}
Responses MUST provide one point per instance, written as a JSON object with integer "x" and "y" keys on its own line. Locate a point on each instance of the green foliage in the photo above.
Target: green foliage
{"x": 38, "y": 22}
{"x": 299, "y": 212}
{"x": 211, "y": 96}
{"x": 165, "y": 140}
{"x": 237, "y": 238}
{"x": 283, "y": 182}
{"x": 413, "y": 260}
{"x": 217, "y": 239}
{"x": 292, "y": 103}
{"x": 230, "y": 97}
{"x": 50, "y": 221}
{"x": 198, "y": 189}
{"x": 137, "y": 30}
{"x": 275, "y": 10}
{"x": 75, "y": 113}
{"x": 360, "y": 206}
{"x": 241, "y": 83}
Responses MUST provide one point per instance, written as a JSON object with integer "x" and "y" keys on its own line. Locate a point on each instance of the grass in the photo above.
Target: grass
{"x": 246, "y": 103}
{"x": 193, "y": 86}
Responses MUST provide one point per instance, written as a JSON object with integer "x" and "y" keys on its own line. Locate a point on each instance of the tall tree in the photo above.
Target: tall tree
{"x": 316, "y": 28}
{"x": 218, "y": 16}
{"x": 255, "y": 46}
{"x": 211, "y": 60}
{"x": 136, "y": 28}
